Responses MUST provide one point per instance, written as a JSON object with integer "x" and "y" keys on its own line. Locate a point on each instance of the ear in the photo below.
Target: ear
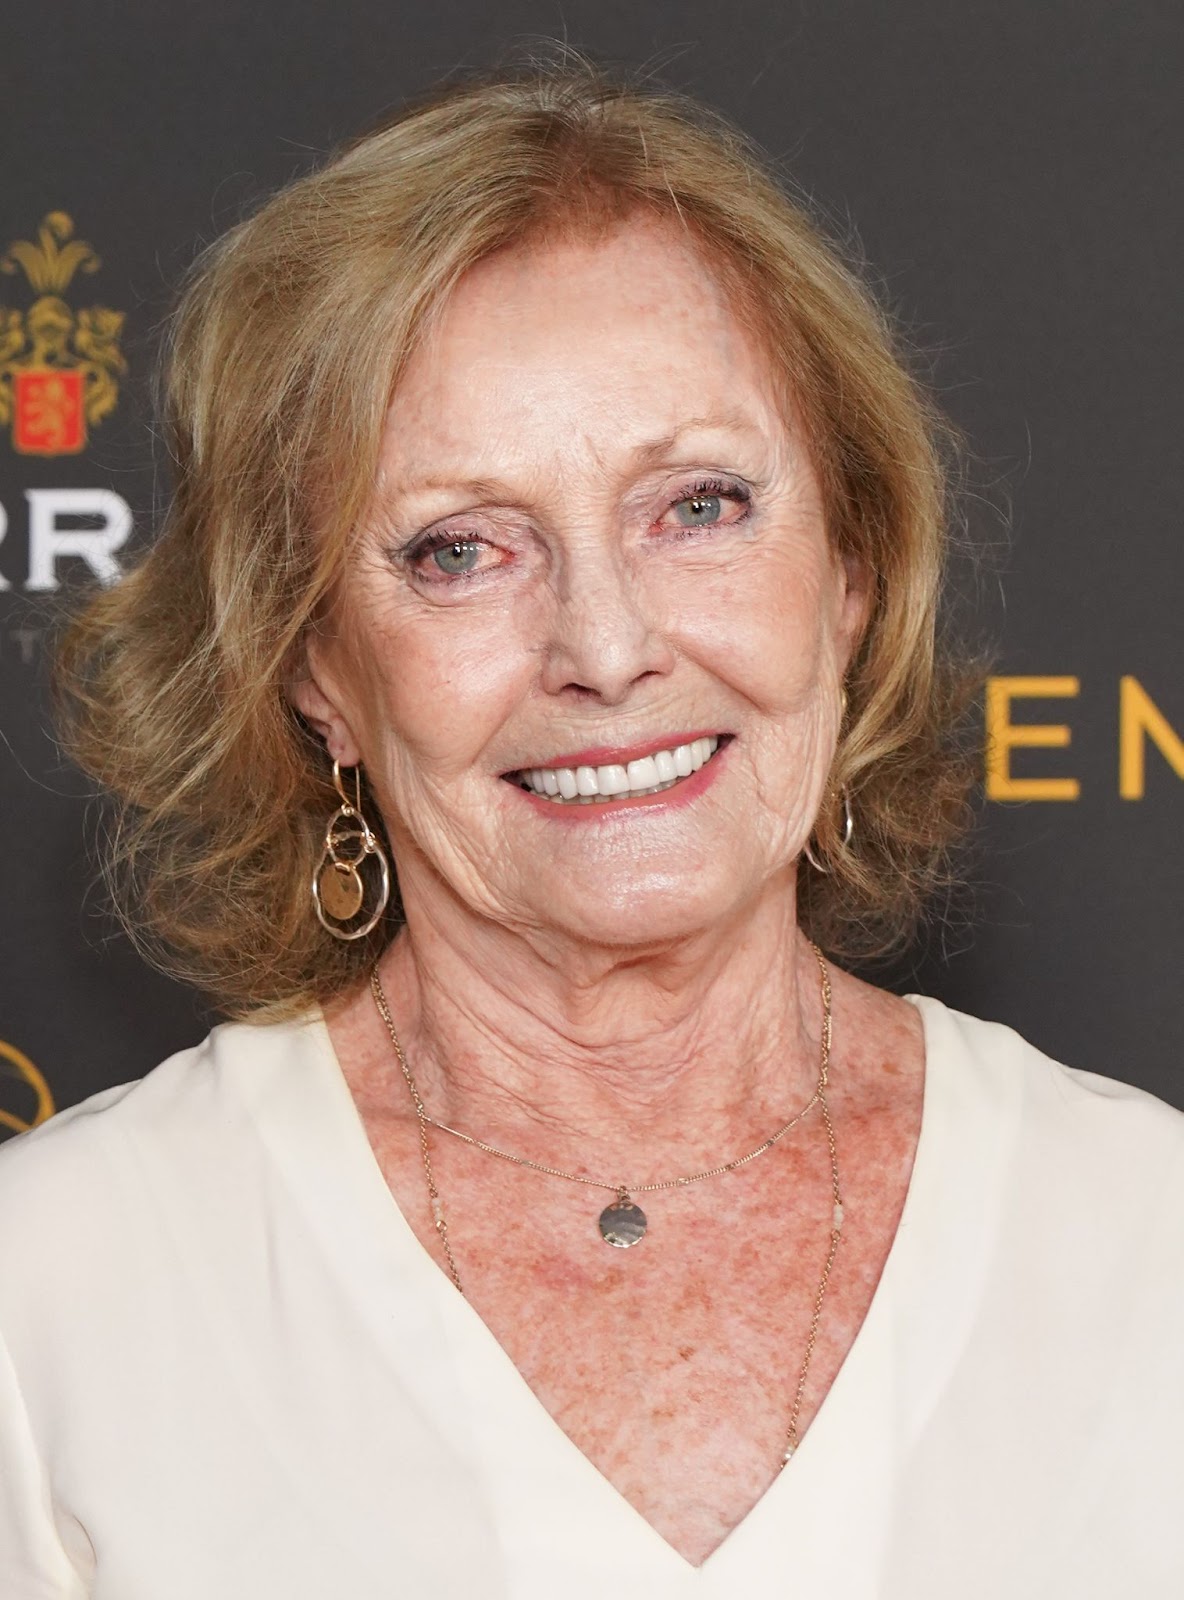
{"x": 856, "y": 606}
{"x": 315, "y": 695}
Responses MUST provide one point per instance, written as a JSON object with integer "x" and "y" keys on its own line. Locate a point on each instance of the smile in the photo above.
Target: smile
{"x": 602, "y": 785}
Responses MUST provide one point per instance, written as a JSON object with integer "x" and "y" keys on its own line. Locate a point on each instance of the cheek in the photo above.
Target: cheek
{"x": 764, "y": 625}
{"x": 444, "y": 685}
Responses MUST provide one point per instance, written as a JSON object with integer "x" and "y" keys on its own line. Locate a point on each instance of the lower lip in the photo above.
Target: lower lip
{"x": 603, "y": 810}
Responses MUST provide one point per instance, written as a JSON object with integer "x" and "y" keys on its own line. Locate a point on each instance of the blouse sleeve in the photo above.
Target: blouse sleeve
{"x": 33, "y": 1563}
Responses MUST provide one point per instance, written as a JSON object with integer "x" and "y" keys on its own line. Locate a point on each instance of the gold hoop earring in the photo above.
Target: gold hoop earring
{"x": 338, "y": 885}
{"x": 845, "y": 837}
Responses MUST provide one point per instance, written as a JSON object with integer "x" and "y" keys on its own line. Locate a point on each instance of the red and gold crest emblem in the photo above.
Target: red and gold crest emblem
{"x": 58, "y": 368}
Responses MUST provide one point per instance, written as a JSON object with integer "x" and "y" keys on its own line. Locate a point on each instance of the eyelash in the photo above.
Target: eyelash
{"x": 711, "y": 488}
{"x": 427, "y": 544}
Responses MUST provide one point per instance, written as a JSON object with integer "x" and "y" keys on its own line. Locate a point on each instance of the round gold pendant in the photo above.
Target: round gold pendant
{"x": 341, "y": 890}
{"x": 623, "y": 1223}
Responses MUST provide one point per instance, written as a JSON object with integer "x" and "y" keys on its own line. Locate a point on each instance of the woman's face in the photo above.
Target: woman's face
{"x": 597, "y": 555}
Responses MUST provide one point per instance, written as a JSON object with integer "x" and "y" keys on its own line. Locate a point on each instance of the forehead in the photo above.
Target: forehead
{"x": 581, "y": 343}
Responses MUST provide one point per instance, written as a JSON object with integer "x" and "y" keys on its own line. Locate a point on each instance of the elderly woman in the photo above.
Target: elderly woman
{"x": 557, "y": 535}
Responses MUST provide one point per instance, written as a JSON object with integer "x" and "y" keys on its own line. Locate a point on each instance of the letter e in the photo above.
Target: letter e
{"x": 1003, "y": 736}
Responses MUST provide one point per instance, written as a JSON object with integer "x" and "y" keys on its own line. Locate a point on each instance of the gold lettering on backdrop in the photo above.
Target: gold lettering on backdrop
{"x": 1004, "y": 736}
{"x": 1140, "y": 719}
{"x": 15, "y": 1064}
{"x": 57, "y": 368}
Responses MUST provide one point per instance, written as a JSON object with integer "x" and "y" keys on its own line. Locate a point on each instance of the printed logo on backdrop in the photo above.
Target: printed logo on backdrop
{"x": 60, "y": 371}
{"x": 25, "y": 1099}
{"x": 58, "y": 367}
{"x": 1140, "y": 726}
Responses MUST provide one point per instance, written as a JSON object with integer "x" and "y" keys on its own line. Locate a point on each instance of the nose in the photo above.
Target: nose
{"x": 604, "y": 636}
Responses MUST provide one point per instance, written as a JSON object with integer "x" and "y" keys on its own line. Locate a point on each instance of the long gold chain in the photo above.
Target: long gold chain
{"x": 623, "y": 1190}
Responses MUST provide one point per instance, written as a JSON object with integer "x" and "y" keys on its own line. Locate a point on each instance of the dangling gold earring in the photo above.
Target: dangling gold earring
{"x": 338, "y": 888}
{"x": 845, "y": 839}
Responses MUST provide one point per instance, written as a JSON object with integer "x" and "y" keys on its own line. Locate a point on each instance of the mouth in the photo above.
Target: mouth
{"x": 614, "y": 782}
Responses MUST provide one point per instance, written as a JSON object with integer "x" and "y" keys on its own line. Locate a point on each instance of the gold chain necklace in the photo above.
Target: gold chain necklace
{"x": 623, "y": 1223}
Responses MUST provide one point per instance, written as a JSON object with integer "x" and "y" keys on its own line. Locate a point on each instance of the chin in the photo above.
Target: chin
{"x": 641, "y": 909}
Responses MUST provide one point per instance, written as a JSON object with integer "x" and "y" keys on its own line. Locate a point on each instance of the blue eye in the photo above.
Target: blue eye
{"x": 699, "y": 510}
{"x": 458, "y": 557}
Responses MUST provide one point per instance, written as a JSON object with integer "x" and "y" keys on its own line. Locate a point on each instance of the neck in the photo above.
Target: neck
{"x": 626, "y": 1056}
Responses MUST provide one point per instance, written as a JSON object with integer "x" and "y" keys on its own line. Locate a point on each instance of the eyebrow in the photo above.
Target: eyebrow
{"x": 727, "y": 421}
{"x": 483, "y": 489}
{"x": 493, "y": 491}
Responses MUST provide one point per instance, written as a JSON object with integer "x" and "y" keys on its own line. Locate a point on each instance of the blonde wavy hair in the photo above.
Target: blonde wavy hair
{"x": 289, "y": 338}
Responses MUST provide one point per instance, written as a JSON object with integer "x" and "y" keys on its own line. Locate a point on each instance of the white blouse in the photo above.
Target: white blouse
{"x": 229, "y": 1371}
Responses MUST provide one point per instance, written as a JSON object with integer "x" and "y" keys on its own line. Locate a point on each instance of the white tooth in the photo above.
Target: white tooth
{"x": 664, "y": 762}
{"x": 568, "y": 787}
{"x": 612, "y": 780}
{"x": 535, "y": 778}
{"x": 712, "y": 745}
{"x": 586, "y": 781}
{"x": 704, "y": 748}
{"x": 683, "y": 764}
{"x": 550, "y": 781}
{"x": 643, "y": 773}
{"x": 696, "y": 749}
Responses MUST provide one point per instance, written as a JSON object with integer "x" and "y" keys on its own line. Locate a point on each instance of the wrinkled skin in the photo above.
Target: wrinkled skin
{"x": 615, "y": 989}
{"x": 553, "y": 384}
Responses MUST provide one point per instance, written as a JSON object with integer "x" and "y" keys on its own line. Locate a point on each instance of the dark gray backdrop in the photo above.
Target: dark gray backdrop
{"x": 1013, "y": 174}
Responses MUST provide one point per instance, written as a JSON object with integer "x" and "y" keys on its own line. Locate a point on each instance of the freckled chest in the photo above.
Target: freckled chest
{"x": 672, "y": 1366}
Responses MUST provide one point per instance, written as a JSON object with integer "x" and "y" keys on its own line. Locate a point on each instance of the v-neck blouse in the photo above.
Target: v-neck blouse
{"x": 229, "y": 1369}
